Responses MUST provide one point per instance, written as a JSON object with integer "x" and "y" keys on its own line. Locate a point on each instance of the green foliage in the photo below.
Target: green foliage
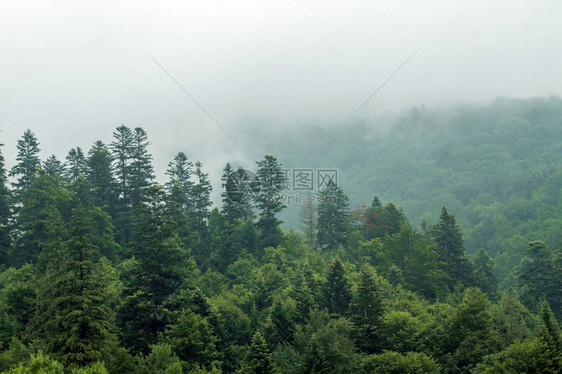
{"x": 395, "y": 363}
{"x": 333, "y": 217}
{"x": 39, "y": 364}
{"x": 337, "y": 289}
{"x": 28, "y": 163}
{"x": 161, "y": 360}
{"x": 259, "y": 357}
{"x": 483, "y": 274}
{"x": 269, "y": 201}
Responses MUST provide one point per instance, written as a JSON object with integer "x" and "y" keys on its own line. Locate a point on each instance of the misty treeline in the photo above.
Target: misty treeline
{"x": 106, "y": 271}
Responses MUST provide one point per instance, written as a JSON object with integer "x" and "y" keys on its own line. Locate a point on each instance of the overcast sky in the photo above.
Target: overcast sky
{"x": 72, "y": 71}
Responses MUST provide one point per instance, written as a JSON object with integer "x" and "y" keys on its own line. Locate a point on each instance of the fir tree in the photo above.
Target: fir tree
{"x": 28, "y": 162}
{"x": 75, "y": 164}
{"x": 142, "y": 172}
{"x": 337, "y": 290}
{"x": 259, "y": 358}
{"x": 53, "y": 166}
{"x": 483, "y": 274}
{"x": 333, "y": 217}
{"x": 269, "y": 201}
{"x": 447, "y": 235}
{"x": 366, "y": 309}
{"x": 100, "y": 176}
{"x": 535, "y": 273}
{"x": 72, "y": 317}
{"x": 5, "y": 213}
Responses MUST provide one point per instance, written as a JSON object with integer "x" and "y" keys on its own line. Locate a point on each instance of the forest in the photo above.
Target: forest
{"x": 439, "y": 252}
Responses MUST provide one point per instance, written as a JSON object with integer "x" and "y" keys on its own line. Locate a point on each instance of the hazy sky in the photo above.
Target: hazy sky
{"x": 72, "y": 71}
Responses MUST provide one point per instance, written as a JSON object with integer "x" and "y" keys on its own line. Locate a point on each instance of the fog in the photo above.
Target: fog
{"x": 73, "y": 72}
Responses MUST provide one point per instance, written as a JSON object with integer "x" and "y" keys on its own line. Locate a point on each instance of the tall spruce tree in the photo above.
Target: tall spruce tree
{"x": 448, "y": 237}
{"x": 28, "y": 163}
{"x": 142, "y": 171}
{"x": 269, "y": 201}
{"x": 99, "y": 174}
{"x": 333, "y": 217}
{"x": 483, "y": 274}
{"x": 5, "y": 213}
{"x": 180, "y": 184}
{"x": 535, "y": 273}
{"x": 75, "y": 164}
{"x": 159, "y": 270}
{"x": 73, "y": 319}
{"x": 53, "y": 166}
{"x": 367, "y": 309}
{"x": 259, "y": 358}
{"x": 201, "y": 196}
{"x": 337, "y": 289}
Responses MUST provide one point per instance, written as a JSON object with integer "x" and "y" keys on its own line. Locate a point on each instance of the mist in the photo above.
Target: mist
{"x": 73, "y": 72}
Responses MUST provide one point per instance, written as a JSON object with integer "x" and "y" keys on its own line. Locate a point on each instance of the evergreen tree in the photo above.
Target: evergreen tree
{"x": 201, "y": 192}
{"x": 159, "y": 270}
{"x": 269, "y": 201}
{"x": 72, "y": 318}
{"x": 239, "y": 187}
{"x": 511, "y": 325}
{"x": 366, "y": 309}
{"x": 40, "y": 220}
{"x": 99, "y": 174}
{"x": 333, "y": 217}
{"x": 180, "y": 184}
{"x": 121, "y": 149}
{"x": 28, "y": 162}
{"x": 259, "y": 358}
{"x": 142, "y": 172}
{"x": 53, "y": 166}
{"x": 549, "y": 334}
{"x": 5, "y": 213}
{"x": 308, "y": 220}
{"x": 447, "y": 235}
{"x": 75, "y": 164}
{"x": 535, "y": 273}
{"x": 484, "y": 276}
{"x": 337, "y": 290}
{"x": 376, "y": 203}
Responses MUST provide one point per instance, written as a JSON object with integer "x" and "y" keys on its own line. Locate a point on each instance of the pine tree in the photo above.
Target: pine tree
{"x": 99, "y": 174}
{"x": 337, "y": 290}
{"x": 72, "y": 317}
{"x": 269, "y": 201}
{"x": 366, "y": 309}
{"x": 53, "y": 166}
{"x": 447, "y": 235}
{"x": 121, "y": 149}
{"x": 28, "y": 162}
{"x": 75, "y": 164}
{"x": 333, "y": 217}
{"x": 483, "y": 274}
{"x": 239, "y": 188}
{"x": 5, "y": 213}
{"x": 259, "y": 358}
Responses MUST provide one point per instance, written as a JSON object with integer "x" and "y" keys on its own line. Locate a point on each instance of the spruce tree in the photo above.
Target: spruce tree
{"x": 448, "y": 237}
{"x": 333, "y": 217}
{"x": 28, "y": 162}
{"x": 53, "y": 166}
{"x": 5, "y": 213}
{"x": 73, "y": 319}
{"x": 308, "y": 220}
{"x": 180, "y": 182}
{"x": 535, "y": 273}
{"x": 366, "y": 309}
{"x": 201, "y": 196}
{"x": 483, "y": 274}
{"x": 259, "y": 358}
{"x": 269, "y": 201}
{"x": 337, "y": 289}
{"x": 142, "y": 171}
{"x": 75, "y": 164}
{"x": 159, "y": 270}
{"x": 99, "y": 174}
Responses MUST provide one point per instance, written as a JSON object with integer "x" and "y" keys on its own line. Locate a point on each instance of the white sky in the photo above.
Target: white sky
{"x": 73, "y": 71}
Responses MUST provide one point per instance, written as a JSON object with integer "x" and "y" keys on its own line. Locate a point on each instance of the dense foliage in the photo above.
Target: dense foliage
{"x": 105, "y": 271}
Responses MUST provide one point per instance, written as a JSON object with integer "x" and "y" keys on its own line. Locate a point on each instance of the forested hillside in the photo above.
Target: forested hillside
{"x": 498, "y": 167}
{"x": 106, "y": 271}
